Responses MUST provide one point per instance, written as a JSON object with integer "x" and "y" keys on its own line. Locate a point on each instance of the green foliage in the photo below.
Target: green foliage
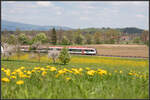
{"x": 136, "y": 40}
{"x": 12, "y": 39}
{"x": 79, "y": 39}
{"x": 65, "y": 41}
{"x": 41, "y": 37}
{"x": 23, "y": 39}
{"x": 88, "y": 39}
{"x": 147, "y": 43}
{"x": 54, "y": 37}
{"x": 97, "y": 38}
{"x": 64, "y": 56}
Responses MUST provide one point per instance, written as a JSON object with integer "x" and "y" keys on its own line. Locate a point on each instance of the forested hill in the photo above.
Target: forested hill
{"x": 11, "y": 26}
{"x": 128, "y": 30}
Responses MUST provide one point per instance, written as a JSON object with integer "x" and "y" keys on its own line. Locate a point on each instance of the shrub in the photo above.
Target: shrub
{"x": 136, "y": 40}
{"x": 64, "y": 56}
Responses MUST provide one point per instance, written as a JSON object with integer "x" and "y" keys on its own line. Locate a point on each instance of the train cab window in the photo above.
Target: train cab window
{"x": 92, "y": 50}
{"x": 89, "y": 50}
{"x": 70, "y": 49}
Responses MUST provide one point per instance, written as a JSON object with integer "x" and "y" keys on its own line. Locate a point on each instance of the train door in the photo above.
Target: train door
{"x": 82, "y": 51}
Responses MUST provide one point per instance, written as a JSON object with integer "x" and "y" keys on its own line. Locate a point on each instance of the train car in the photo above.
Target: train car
{"x": 24, "y": 48}
{"x": 71, "y": 49}
{"x": 76, "y": 50}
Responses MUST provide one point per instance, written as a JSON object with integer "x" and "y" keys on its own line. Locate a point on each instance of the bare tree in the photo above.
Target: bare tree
{"x": 53, "y": 54}
{"x": 8, "y": 50}
{"x": 35, "y": 48}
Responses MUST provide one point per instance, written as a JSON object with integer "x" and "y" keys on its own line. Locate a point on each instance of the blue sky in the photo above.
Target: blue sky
{"x": 78, "y": 14}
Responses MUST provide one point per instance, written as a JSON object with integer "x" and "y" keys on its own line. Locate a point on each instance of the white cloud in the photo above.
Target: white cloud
{"x": 9, "y": 1}
{"x": 84, "y": 18}
{"x": 140, "y": 16}
{"x": 59, "y": 13}
{"x": 120, "y": 3}
{"x": 44, "y": 3}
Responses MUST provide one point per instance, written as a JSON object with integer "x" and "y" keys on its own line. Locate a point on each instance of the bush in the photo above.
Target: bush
{"x": 65, "y": 41}
{"x": 136, "y": 40}
{"x": 64, "y": 56}
{"x": 147, "y": 43}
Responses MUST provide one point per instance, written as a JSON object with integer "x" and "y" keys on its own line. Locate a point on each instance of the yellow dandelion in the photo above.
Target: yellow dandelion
{"x": 2, "y": 69}
{"x": 120, "y": 72}
{"x": 20, "y": 82}
{"x": 68, "y": 78}
{"x": 91, "y": 72}
{"x": 61, "y": 71}
{"x": 5, "y": 79}
{"x": 13, "y": 73}
{"x": 44, "y": 73}
{"x": 42, "y": 69}
{"x": 87, "y": 68}
{"x": 28, "y": 72}
{"x": 53, "y": 69}
{"x": 102, "y": 72}
{"x": 80, "y": 69}
{"x": 14, "y": 77}
{"x": 22, "y": 67}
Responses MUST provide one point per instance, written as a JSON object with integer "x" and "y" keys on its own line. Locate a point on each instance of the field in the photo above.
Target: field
{"x": 84, "y": 77}
{"x": 122, "y": 50}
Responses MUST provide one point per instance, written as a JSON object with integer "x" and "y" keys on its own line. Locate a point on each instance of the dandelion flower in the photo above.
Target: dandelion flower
{"x": 20, "y": 82}
{"x": 14, "y": 77}
{"x": 68, "y": 78}
{"x": 5, "y": 79}
{"x": 44, "y": 73}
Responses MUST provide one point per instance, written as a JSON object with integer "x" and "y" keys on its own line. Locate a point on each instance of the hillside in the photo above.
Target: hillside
{"x": 11, "y": 26}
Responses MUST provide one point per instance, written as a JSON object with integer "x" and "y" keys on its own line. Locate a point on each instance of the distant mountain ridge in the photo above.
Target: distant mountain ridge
{"x": 11, "y": 26}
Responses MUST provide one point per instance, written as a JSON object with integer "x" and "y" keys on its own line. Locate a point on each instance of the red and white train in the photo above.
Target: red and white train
{"x": 71, "y": 49}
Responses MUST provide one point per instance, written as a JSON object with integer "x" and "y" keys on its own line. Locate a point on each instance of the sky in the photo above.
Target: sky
{"x": 78, "y": 14}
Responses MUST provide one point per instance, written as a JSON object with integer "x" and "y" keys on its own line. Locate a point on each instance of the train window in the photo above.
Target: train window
{"x": 92, "y": 50}
{"x": 50, "y": 49}
{"x": 58, "y": 49}
{"x": 89, "y": 50}
{"x": 70, "y": 49}
{"x": 76, "y": 50}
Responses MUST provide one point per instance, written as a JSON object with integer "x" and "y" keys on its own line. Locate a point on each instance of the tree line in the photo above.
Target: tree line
{"x": 71, "y": 37}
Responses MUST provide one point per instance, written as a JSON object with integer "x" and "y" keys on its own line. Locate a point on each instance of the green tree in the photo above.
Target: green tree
{"x": 88, "y": 38}
{"x": 112, "y": 36}
{"x": 41, "y": 37}
{"x": 64, "y": 56}
{"x": 97, "y": 37}
{"x": 136, "y": 40}
{"x": 23, "y": 39}
{"x": 54, "y": 37}
{"x": 79, "y": 39}
{"x": 145, "y": 36}
{"x": 65, "y": 41}
{"x": 12, "y": 39}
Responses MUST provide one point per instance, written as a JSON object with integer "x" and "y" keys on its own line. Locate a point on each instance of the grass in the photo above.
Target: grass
{"x": 100, "y": 77}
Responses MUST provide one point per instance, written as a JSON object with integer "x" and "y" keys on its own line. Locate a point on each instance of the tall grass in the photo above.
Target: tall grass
{"x": 84, "y": 77}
